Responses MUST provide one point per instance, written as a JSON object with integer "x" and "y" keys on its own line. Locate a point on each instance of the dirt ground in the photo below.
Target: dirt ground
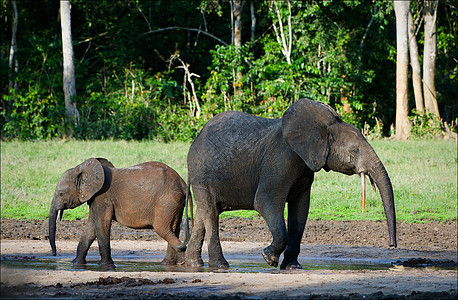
{"x": 332, "y": 245}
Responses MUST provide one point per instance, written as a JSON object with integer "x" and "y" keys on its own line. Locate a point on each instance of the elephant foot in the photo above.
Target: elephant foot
{"x": 290, "y": 265}
{"x": 79, "y": 262}
{"x": 219, "y": 264}
{"x": 167, "y": 261}
{"x": 194, "y": 262}
{"x": 107, "y": 266}
{"x": 270, "y": 258}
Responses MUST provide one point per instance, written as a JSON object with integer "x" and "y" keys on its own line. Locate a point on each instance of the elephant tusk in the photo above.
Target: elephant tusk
{"x": 363, "y": 190}
{"x": 373, "y": 184}
{"x": 60, "y": 213}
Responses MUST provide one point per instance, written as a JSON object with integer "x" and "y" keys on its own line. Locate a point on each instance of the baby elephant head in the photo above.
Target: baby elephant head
{"x": 75, "y": 187}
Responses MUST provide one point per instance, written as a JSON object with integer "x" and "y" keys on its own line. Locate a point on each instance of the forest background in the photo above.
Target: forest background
{"x": 159, "y": 69}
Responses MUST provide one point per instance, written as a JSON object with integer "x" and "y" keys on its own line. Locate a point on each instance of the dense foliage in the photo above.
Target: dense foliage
{"x": 129, "y": 87}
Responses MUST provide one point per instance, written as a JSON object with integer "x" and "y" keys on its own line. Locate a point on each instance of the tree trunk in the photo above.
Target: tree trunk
{"x": 253, "y": 20}
{"x": 237, "y": 6}
{"x": 71, "y": 113}
{"x": 283, "y": 41}
{"x": 416, "y": 69}
{"x": 13, "y": 62}
{"x": 429, "y": 58}
{"x": 401, "y": 9}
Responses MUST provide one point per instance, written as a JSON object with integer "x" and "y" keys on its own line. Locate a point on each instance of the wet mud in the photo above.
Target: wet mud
{"x": 341, "y": 260}
{"x": 422, "y": 236}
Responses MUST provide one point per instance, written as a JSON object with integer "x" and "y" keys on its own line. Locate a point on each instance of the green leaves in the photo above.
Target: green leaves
{"x": 126, "y": 87}
{"x": 34, "y": 115}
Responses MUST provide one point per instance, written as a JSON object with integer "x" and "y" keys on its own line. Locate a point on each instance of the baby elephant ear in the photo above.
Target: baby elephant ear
{"x": 105, "y": 162}
{"x": 305, "y": 128}
{"x": 90, "y": 179}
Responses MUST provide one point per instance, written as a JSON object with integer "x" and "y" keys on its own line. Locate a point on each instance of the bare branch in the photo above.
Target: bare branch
{"x": 92, "y": 38}
{"x": 188, "y": 77}
{"x": 188, "y": 29}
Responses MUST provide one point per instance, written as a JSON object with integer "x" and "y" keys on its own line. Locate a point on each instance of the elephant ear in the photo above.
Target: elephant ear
{"x": 305, "y": 127}
{"x": 105, "y": 162}
{"x": 90, "y": 179}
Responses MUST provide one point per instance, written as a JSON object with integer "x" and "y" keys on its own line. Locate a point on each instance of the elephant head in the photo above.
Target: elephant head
{"x": 75, "y": 187}
{"x": 318, "y": 135}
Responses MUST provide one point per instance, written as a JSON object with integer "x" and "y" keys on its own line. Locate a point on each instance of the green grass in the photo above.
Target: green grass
{"x": 423, "y": 173}
{"x": 31, "y": 170}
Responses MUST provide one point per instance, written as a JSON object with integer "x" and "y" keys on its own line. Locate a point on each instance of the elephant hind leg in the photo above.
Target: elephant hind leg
{"x": 206, "y": 223}
{"x": 193, "y": 255}
{"x": 171, "y": 257}
{"x": 168, "y": 235}
{"x": 175, "y": 254}
{"x": 215, "y": 252}
{"x": 173, "y": 242}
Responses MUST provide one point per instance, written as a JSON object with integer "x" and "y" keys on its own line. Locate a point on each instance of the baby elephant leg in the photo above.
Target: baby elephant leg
{"x": 103, "y": 218}
{"x": 86, "y": 240}
{"x": 171, "y": 257}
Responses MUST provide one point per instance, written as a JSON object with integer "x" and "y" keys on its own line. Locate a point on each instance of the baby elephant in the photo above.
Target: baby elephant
{"x": 146, "y": 196}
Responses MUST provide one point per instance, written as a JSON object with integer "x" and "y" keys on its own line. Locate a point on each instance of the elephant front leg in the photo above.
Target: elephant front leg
{"x": 271, "y": 209}
{"x": 86, "y": 240}
{"x": 277, "y": 227}
{"x": 298, "y": 209}
{"x": 103, "y": 228}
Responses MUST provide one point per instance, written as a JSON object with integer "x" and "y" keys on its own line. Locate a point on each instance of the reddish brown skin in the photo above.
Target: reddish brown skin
{"x": 150, "y": 195}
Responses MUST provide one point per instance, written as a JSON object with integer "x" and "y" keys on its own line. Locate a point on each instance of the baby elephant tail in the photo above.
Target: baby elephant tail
{"x": 187, "y": 233}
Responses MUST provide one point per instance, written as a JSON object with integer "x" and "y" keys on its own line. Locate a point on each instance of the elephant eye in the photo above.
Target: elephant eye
{"x": 61, "y": 194}
{"x": 354, "y": 151}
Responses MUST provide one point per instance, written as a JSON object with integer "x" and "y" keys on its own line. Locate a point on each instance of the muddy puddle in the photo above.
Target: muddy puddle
{"x": 140, "y": 266}
{"x": 130, "y": 264}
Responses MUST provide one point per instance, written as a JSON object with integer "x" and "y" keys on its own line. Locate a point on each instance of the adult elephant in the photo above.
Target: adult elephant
{"x": 240, "y": 161}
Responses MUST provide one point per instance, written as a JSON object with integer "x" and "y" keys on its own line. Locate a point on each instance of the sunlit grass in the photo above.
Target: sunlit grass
{"x": 424, "y": 178}
{"x": 423, "y": 173}
{"x": 31, "y": 170}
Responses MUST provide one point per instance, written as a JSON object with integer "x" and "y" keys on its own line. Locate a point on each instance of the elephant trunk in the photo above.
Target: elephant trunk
{"x": 379, "y": 175}
{"x": 54, "y": 215}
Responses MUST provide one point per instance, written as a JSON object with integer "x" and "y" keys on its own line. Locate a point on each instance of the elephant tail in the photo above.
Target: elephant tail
{"x": 189, "y": 200}
{"x": 187, "y": 232}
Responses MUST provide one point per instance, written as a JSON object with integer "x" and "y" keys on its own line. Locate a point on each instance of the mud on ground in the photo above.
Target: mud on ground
{"x": 242, "y": 239}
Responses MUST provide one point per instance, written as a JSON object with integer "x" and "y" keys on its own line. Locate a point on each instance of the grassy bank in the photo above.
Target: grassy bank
{"x": 423, "y": 173}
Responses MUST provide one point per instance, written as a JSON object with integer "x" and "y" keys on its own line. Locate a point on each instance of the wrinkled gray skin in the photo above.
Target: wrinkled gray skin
{"x": 239, "y": 161}
{"x": 150, "y": 195}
